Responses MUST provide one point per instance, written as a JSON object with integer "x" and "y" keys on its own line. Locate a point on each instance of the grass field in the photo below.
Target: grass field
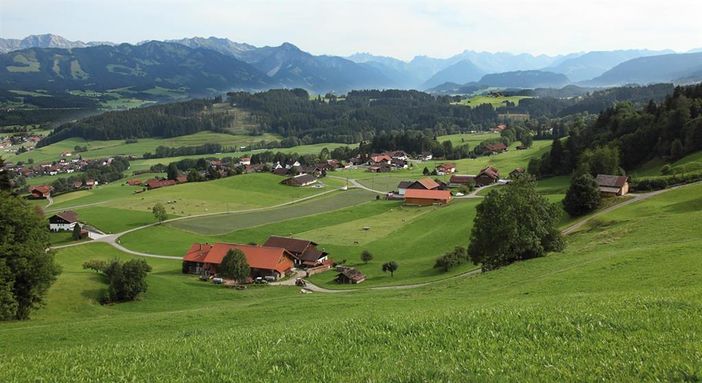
{"x": 496, "y": 102}
{"x": 622, "y": 303}
{"x": 691, "y": 162}
{"x": 101, "y": 149}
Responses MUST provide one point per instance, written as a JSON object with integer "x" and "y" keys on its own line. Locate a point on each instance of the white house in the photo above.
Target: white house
{"x": 63, "y": 221}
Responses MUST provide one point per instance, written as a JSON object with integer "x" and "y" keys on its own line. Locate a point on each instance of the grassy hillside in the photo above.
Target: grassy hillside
{"x": 622, "y": 303}
{"x": 495, "y": 101}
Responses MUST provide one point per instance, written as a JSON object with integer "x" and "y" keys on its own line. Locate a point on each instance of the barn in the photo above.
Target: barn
{"x": 65, "y": 221}
{"x": 421, "y": 197}
{"x": 264, "y": 261}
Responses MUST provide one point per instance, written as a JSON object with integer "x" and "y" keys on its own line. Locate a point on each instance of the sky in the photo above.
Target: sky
{"x": 402, "y": 29}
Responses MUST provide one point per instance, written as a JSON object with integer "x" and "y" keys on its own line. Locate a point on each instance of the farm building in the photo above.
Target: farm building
{"x": 349, "y": 275}
{"x": 487, "y": 176}
{"x": 424, "y": 184}
{"x": 377, "y": 159}
{"x": 516, "y": 173}
{"x": 65, "y": 221}
{"x": 305, "y": 252}
{"x": 155, "y": 183}
{"x": 301, "y": 180}
{"x": 461, "y": 180}
{"x": 402, "y": 186}
{"x": 41, "y": 191}
{"x": 612, "y": 185}
{"x": 499, "y": 128}
{"x": 264, "y": 261}
{"x": 495, "y": 148}
{"x": 446, "y": 168}
{"x": 134, "y": 182}
{"x": 427, "y": 197}
{"x": 245, "y": 161}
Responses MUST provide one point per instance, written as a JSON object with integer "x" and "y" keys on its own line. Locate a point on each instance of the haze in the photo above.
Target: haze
{"x": 402, "y": 29}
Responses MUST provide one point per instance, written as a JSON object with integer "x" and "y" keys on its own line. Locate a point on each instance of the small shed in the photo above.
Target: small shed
{"x": 349, "y": 275}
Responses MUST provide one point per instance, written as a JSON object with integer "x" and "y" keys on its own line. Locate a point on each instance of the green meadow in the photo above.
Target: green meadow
{"x": 496, "y": 102}
{"x": 621, "y": 303}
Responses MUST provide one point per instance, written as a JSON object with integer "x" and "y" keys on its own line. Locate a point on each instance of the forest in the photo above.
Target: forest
{"x": 625, "y": 136}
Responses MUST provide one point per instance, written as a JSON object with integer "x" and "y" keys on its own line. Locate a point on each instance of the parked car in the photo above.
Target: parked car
{"x": 260, "y": 281}
{"x": 217, "y": 281}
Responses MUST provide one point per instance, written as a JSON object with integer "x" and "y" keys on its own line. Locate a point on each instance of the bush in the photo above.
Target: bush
{"x": 127, "y": 280}
{"x": 662, "y": 182}
{"x": 95, "y": 265}
{"x": 451, "y": 259}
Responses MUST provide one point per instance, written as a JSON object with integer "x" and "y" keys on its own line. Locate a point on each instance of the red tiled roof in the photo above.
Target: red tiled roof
{"x": 43, "y": 189}
{"x": 258, "y": 257}
{"x": 460, "y": 179}
{"x": 428, "y": 183}
{"x": 428, "y": 194}
{"x": 490, "y": 172}
{"x": 197, "y": 252}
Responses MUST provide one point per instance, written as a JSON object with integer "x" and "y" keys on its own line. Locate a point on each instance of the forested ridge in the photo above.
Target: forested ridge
{"x": 630, "y": 135}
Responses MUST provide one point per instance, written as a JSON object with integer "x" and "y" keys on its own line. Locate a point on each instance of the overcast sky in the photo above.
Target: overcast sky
{"x": 402, "y": 29}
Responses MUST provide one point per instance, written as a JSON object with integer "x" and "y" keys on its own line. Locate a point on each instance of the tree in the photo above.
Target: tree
{"x": 527, "y": 140}
{"x": 76, "y": 232}
{"x": 27, "y": 270}
{"x": 451, "y": 259}
{"x": 159, "y": 212}
{"x": 391, "y": 267}
{"x": 172, "y": 171}
{"x": 583, "y": 196}
{"x": 426, "y": 171}
{"x": 126, "y": 280}
{"x": 513, "y": 223}
{"x": 676, "y": 150}
{"x": 366, "y": 256}
{"x": 601, "y": 160}
{"x": 234, "y": 266}
{"x": 5, "y": 182}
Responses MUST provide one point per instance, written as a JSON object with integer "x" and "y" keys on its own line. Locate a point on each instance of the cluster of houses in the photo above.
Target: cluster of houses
{"x": 11, "y": 144}
{"x": 45, "y": 191}
{"x": 273, "y": 260}
{"x": 62, "y": 166}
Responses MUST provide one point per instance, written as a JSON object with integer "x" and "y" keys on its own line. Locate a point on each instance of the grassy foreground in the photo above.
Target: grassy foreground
{"x": 622, "y": 303}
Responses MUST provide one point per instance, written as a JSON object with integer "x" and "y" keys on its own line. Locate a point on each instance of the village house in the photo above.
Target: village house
{"x": 264, "y": 261}
{"x": 378, "y": 159}
{"x": 499, "y": 128}
{"x": 305, "y": 252}
{"x": 64, "y": 221}
{"x": 349, "y": 275}
{"x": 446, "y": 168}
{"x": 612, "y": 185}
{"x": 426, "y": 156}
{"x": 425, "y": 183}
{"x": 422, "y": 197}
{"x": 245, "y": 161}
{"x": 457, "y": 180}
{"x": 40, "y": 191}
{"x": 487, "y": 176}
{"x": 299, "y": 181}
{"x": 495, "y": 148}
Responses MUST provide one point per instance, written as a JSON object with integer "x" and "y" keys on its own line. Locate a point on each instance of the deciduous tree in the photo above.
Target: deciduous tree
{"x": 583, "y": 196}
{"x": 390, "y": 267}
{"x": 366, "y": 256}
{"x": 234, "y": 266}
{"x": 159, "y": 212}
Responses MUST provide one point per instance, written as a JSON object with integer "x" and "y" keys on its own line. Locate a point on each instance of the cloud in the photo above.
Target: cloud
{"x": 397, "y": 28}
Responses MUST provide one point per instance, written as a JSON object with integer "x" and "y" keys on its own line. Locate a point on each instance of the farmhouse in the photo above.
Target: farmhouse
{"x": 65, "y": 220}
{"x": 305, "y": 252}
{"x": 487, "y": 176}
{"x": 446, "y": 168}
{"x": 377, "y": 159}
{"x": 41, "y": 191}
{"x": 245, "y": 161}
{"x": 264, "y": 261}
{"x": 495, "y": 148}
{"x": 499, "y": 128}
{"x": 427, "y": 197}
{"x": 612, "y": 185}
{"x": 424, "y": 184}
{"x": 301, "y": 180}
{"x": 134, "y": 182}
{"x": 461, "y": 180}
{"x": 402, "y": 186}
{"x": 349, "y": 275}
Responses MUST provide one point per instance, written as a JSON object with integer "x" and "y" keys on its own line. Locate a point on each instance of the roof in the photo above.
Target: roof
{"x": 404, "y": 184}
{"x": 459, "y": 179}
{"x": 490, "y": 172}
{"x": 428, "y": 194}
{"x": 68, "y": 215}
{"x": 428, "y": 183}
{"x": 304, "y": 249}
{"x": 43, "y": 189}
{"x": 447, "y": 165}
{"x": 300, "y": 180}
{"x": 498, "y": 147}
{"x": 258, "y": 257}
{"x": 352, "y": 274}
{"x": 605, "y": 189}
{"x": 518, "y": 170}
{"x": 611, "y": 181}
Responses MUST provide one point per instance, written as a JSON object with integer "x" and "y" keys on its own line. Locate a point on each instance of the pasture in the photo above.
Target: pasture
{"x": 495, "y": 101}
{"x": 622, "y": 303}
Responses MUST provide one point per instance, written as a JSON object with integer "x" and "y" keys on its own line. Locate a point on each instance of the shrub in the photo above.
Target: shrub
{"x": 583, "y": 196}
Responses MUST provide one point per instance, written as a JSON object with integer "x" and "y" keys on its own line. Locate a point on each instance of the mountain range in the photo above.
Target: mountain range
{"x": 205, "y": 64}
